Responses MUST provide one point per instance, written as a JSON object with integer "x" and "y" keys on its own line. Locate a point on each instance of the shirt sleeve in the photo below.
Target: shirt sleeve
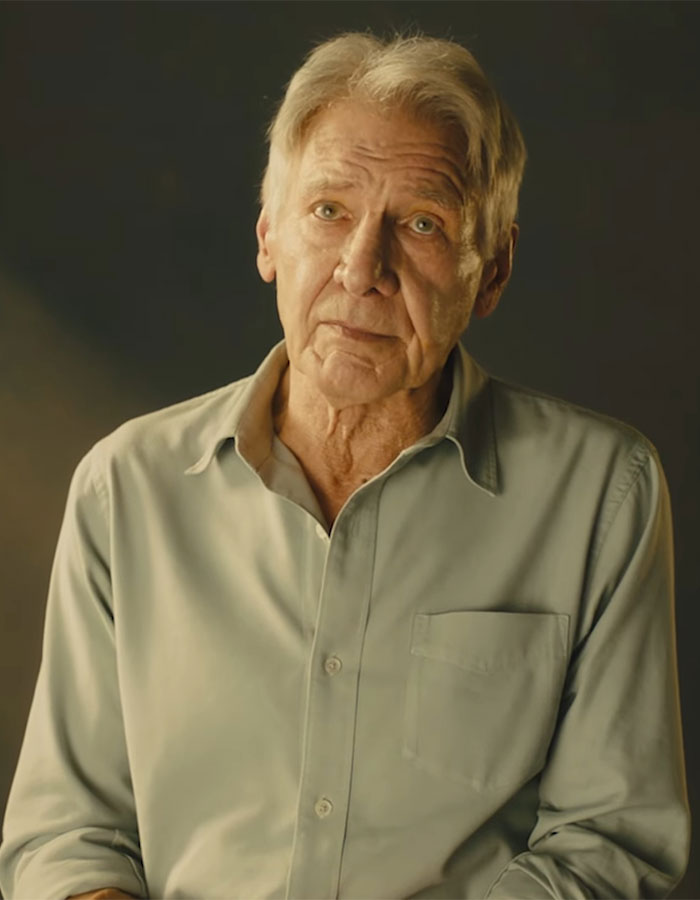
{"x": 70, "y": 824}
{"x": 613, "y": 818}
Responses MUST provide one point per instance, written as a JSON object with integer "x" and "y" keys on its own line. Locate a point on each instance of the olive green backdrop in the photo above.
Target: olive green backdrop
{"x": 131, "y": 142}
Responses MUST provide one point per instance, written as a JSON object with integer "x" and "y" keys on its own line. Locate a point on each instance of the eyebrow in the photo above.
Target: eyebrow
{"x": 326, "y": 183}
{"x": 447, "y": 199}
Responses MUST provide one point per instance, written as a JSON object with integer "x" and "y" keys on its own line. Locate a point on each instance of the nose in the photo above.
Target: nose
{"x": 365, "y": 266}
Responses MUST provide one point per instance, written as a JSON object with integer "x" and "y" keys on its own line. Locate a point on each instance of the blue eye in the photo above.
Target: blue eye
{"x": 328, "y": 211}
{"x": 423, "y": 225}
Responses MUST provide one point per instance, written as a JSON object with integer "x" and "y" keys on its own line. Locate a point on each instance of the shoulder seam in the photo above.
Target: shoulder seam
{"x": 570, "y": 405}
{"x": 638, "y": 458}
{"x": 95, "y": 480}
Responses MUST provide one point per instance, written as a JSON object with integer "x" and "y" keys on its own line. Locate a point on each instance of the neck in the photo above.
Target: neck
{"x": 341, "y": 448}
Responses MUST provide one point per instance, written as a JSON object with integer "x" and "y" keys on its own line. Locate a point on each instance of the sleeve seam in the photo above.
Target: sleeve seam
{"x": 514, "y": 864}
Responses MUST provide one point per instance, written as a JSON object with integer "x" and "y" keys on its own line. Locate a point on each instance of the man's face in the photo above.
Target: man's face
{"x": 372, "y": 246}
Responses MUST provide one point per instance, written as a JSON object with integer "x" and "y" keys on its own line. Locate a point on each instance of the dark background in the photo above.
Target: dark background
{"x": 131, "y": 149}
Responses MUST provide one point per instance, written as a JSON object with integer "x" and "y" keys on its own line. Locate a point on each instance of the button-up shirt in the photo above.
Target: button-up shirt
{"x": 465, "y": 688}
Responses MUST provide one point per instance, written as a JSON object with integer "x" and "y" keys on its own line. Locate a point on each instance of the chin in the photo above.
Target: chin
{"x": 349, "y": 382}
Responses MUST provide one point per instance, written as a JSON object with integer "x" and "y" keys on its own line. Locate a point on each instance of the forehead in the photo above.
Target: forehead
{"x": 364, "y": 144}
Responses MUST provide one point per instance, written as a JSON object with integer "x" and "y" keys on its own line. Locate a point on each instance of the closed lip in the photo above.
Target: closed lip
{"x": 354, "y": 330}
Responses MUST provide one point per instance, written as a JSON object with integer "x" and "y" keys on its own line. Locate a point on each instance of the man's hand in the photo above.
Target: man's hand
{"x": 107, "y": 893}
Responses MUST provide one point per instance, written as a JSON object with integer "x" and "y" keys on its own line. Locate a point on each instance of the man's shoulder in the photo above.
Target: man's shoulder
{"x": 527, "y": 419}
{"x": 174, "y": 435}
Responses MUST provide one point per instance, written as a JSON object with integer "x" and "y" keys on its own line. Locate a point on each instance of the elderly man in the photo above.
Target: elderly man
{"x": 369, "y": 623}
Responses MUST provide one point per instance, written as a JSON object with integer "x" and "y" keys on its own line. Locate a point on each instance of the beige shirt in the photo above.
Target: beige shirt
{"x": 467, "y": 689}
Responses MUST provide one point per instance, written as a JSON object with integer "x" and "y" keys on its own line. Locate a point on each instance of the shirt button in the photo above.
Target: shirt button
{"x": 323, "y": 808}
{"x": 332, "y": 665}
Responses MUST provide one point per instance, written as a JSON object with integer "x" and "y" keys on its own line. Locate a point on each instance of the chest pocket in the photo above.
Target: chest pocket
{"x": 482, "y": 694}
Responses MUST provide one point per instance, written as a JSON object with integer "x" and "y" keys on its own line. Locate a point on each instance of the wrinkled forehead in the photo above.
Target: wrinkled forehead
{"x": 355, "y": 133}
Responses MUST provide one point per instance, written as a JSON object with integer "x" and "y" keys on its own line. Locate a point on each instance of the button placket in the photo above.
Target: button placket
{"x": 330, "y": 713}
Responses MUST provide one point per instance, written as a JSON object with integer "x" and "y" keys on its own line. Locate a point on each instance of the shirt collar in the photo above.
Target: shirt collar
{"x": 468, "y": 421}
{"x": 471, "y": 424}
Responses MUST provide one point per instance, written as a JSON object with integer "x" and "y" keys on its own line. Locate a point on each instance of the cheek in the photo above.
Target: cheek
{"x": 303, "y": 274}
{"x": 309, "y": 253}
{"x": 449, "y": 316}
{"x": 452, "y": 310}
{"x": 444, "y": 301}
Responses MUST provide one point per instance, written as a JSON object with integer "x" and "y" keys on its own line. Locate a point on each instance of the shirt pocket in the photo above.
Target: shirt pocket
{"x": 482, "y": 695}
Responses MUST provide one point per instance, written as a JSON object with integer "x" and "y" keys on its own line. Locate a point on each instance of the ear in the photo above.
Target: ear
{"x": 495, "y": 275}
{"x": 265, "y": 260}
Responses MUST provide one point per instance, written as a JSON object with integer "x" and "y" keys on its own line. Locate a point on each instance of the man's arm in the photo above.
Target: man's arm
{"x": 71, "y": 824}
{"x": 613, "y": 818}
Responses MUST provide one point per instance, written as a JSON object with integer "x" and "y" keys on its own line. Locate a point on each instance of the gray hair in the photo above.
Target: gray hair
{"x": 433, "y": 78}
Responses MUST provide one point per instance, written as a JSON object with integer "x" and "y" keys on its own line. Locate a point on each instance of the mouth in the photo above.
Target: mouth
{"x": 354, "y": 333}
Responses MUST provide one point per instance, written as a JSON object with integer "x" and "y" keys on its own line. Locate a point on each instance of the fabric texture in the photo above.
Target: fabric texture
{"x": 466, "y": 689}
